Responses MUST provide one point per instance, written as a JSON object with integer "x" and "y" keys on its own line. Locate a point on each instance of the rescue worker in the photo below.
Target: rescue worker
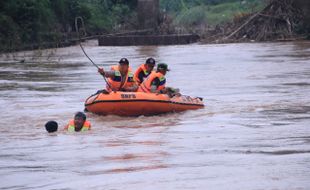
{"x": 79, "y": 123}
{"x": 155, "y": 82}
{"x": 120, "y": 77}
{"x": 144, "y": 70}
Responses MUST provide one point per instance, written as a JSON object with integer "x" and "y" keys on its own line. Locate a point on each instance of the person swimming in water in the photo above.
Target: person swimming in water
{"x": 79, "y": 123}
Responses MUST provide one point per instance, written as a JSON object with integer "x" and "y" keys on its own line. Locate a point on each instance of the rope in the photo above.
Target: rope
{"x": 78, "y": 33}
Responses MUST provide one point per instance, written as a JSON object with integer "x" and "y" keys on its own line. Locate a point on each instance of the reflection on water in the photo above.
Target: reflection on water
{"x": 252, "y": 134}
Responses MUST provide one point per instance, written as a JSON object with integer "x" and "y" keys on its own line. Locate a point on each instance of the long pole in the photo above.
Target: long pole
{"x": 78, "y": 33}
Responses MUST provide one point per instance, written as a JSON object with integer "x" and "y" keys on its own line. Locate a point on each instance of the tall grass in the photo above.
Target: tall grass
{"x": 193, "y": 16}
{"x": 213, "y": 14}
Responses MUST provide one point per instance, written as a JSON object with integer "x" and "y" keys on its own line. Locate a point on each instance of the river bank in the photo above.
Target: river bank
{"x": 277, "y": 21}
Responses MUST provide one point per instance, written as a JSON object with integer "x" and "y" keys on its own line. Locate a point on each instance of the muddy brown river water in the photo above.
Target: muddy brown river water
{"x": 254, "y": 132}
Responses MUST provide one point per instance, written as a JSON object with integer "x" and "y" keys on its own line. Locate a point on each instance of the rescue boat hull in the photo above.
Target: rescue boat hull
{"x": 139, "y": 103}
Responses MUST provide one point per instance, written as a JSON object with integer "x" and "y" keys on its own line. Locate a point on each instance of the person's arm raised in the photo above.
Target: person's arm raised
{"x": 108, "y": 74}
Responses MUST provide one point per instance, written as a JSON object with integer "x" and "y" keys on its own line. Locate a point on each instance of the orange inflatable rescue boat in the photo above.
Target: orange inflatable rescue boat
{"x": 139, "y": 103}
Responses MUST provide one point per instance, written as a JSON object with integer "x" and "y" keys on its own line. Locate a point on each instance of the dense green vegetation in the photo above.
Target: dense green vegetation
{"x": 40, "y": 21}
{"x": 26, "y": 22}
{"x": 189, "y": 13}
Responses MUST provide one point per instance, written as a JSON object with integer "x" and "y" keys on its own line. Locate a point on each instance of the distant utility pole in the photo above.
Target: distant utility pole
{"x": 148, "y": 14}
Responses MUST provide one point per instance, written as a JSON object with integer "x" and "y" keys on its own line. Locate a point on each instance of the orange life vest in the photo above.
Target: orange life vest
{"x": 142, "y": 69}
{"x": 147, "y": 83}
{"x": 71, "y": 128}
{"x": 116, "y": 81}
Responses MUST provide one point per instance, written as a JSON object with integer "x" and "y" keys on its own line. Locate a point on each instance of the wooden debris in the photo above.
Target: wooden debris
{"x": 277, "y": 21}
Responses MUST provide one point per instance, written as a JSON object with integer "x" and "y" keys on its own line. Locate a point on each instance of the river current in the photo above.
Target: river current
{"x": 254, "y": 132}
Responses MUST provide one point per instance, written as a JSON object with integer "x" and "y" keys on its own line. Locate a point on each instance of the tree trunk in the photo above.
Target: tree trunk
{"x": 148, "y": 14}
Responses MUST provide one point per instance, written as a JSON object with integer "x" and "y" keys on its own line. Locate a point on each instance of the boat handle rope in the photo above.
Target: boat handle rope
{"x": 78, "y": 33}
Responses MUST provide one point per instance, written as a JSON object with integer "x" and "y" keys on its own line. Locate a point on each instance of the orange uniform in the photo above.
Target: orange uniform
{"x": 147, "y": 84}
{"x": 71, "y": 128}
{"x": 141, "y": 74}
{"x": 118, "y": 82}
